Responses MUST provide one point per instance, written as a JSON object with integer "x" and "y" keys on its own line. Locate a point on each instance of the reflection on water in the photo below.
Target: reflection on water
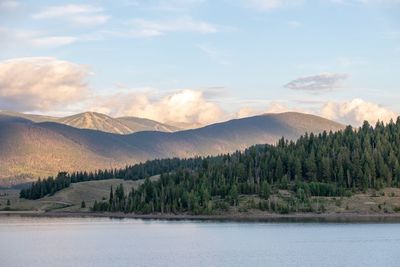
{"x": 26, "y": 241}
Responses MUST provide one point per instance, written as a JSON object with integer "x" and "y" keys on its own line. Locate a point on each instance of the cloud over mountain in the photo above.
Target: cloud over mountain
{"x": 356, "y": 111}
{"x": 50, "y": 85}
{"x": 185, "y": 107}
{"x": 41, "y": 83}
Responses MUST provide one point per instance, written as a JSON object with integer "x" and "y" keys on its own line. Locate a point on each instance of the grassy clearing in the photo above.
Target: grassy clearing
{"x": 68, "y": 199}
{"x": 371, "y": 202}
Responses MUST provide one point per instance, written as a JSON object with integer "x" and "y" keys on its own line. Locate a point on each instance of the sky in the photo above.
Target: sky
{"x": 196, "y": 62}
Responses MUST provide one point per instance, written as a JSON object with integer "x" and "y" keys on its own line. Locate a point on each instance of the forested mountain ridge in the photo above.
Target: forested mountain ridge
{"x": 326, "y": 164}
{"x": 31, "y": 150}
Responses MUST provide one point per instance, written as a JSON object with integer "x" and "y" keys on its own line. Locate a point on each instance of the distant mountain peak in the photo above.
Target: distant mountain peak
{"x": 101, "y": 122}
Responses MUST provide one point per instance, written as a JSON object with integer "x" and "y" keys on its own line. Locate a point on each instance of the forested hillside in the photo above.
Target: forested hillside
{"x": 327, "y": 164}
{"x": 30, "y": 150}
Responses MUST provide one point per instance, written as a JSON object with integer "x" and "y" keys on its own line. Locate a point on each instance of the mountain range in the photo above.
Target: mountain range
{"x": 101, "y": 122}
{"x": 33, "y": 146}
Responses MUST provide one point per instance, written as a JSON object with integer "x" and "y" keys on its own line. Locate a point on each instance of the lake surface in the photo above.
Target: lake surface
{"x": 99, "y": 242}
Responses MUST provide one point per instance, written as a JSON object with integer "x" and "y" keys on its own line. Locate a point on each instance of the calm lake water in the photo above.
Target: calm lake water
{"x": 99, "y": 242}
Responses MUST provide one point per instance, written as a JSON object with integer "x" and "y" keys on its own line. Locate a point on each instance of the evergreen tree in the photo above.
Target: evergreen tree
{"x": 265, "y": 191}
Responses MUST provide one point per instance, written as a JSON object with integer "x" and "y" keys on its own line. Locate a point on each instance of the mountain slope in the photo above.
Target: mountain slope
{"x": 104, "y": 123}
{"x": 31, "y": 117}
{"x": 135, "y": 123}
{"x": 30, "y": 149}
{"x": 98, "y": 121}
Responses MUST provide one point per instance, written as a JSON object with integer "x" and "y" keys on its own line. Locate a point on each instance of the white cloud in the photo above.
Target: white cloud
{"x": 277, "y": 107}
{"x": 165, "y": 5}
{"x": 367, "y": 2}
{"x": 320, "y": 82}
{"x": 353, "y": 112}
{"x": 246, "y": 112}
{"x": 186, "y": 107}
{"x": 264, "y": 5}
{"x": 41, "y": 84}
{"x": 50, "y": 41}
{"x": 9, "y": 37}
{"x": 356, "y": 111}
{"x": 148, "y": 28}
{"x": 176, "y": 5}
{"x": 85, "y": 15}
{"x": 272, "y": 107}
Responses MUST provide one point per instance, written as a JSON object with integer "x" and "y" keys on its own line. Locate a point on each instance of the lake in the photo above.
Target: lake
{"x": 30, "y": 241}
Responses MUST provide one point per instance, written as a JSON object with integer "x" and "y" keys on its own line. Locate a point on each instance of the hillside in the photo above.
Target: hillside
{"x": 29, "y": 150}
{"x": 98, "y": 121}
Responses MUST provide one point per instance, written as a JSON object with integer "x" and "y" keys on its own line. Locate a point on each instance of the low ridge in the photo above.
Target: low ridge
{"x": 100, "y": 122}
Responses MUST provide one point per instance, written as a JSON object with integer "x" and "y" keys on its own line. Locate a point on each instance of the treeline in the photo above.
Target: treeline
{"x": 49, "y": 186}
{"x": 327, "y": 164}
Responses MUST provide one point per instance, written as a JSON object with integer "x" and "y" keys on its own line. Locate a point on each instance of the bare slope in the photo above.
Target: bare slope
{"x": 124, "y": 125}
{"x": 68, "y": 199}
{"x": 30, "y": 149}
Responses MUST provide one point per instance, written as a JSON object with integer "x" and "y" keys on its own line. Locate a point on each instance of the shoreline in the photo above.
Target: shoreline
{"x": 267, "y": 217}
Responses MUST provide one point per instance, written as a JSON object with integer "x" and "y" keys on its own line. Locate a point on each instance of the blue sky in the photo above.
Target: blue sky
{"x": 216, "y": 60}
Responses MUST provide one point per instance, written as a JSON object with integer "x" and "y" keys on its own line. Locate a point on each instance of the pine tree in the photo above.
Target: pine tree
{"x": 265, "y": 190}
{"x": 234, "y": 195}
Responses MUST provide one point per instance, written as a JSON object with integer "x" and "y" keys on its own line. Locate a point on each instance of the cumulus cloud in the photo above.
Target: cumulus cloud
{"x": 40, "y": 84}
{"x": 353, "y": 112}
{"x": 320, "y": 82}
{"x": 277, "y": 107}
{"x": 85, "y": 15}
{"x": 246, "y": 112}
{"x": 150, "y": 28}
{"x": 356, "y": 111}
{"x": 186, "y": 108}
